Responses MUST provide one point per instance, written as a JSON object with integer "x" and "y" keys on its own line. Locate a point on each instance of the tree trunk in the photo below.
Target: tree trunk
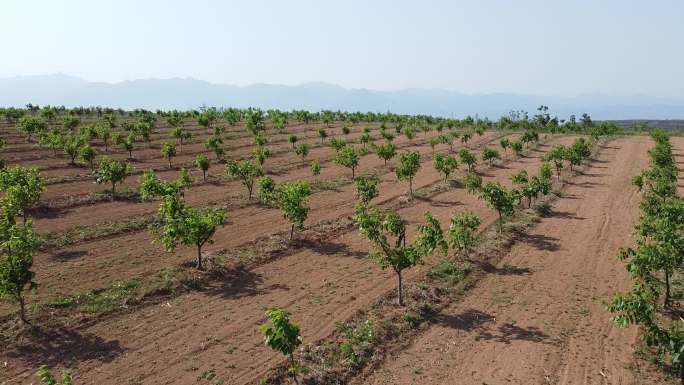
{"x": 292, "y": 231}
{"x": 500, "y": 222}
{"x": 22, "y": 310}
{"x": 353, "y": 173}
{"x": 199, "y": 257}
{"x": 204, "y": 175}
{"x": 667, "y": 288}
{"x": 169, "y": 162}
{"x": 400, "y": 290}
{"x": 113, "y": 190}
{"x": 411, "y": 186}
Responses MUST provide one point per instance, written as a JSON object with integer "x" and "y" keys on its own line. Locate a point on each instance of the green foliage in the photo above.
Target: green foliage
{"x": 22, "y": 188}
{"x": 19, "y": 243}
{"x": 186, "y": 225}
{"x": 386, "y": 152}
{"x": 302, "y": 150}
{"x": 367, "y": 189}
{"x": 406, "y": 170}
{"x": 381, "y": 227}
{"x": 283, "y": 336}
{"x": 292, "y": 139}
{"x": 498, "y": 198}
{"x": 202, "y": 163}
{"x": 517, "y": 147}
{"x": 246, "y": 171}
{"x": 557, "y": 155}
{"x": 445, "y": 165}
{"x": 261, "y": 153}
{"x": 71, "y": 144}
{"x": 47, "y": 379}
{"x": 112, "y": 171}
{"x": 337, "y": 144}
{"x": 88, "y": 154}
{"x": 168, "y": 151}
{"x": 489, "y": 155}
{"x": 348, "y": 157}
{"x": 292, "y": 198}
{"x": 215, "y": 144}
{"x": 468, "y": 158}
{"x": 462, "y": 235}
{"x": 30, "y": 125}
{"x": 472, "y": 183}
{"x": 322, "y": 133}
{"x": 315, "y": 167}
{"x": 181, "y": 134}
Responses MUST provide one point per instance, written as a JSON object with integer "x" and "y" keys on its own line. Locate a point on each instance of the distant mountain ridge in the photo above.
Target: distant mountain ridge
{"x": 188, "y": 93}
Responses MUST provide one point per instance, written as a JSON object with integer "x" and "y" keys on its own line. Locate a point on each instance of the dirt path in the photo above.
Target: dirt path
{"x": 218, "y": 329}
{"x": 540, "y": 318}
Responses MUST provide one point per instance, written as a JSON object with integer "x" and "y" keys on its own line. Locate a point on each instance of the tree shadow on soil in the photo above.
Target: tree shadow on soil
{"x": 331, "y": 248}
{"x": 509, "y": 332}
{"x": 235, "y": 282}
{"x": 68, "y": 255}
{"x": 469, "y": 320}
{"x": 62, "y": 347}
{"x": 540, "y": 242}
{"x": 438, "y": 203}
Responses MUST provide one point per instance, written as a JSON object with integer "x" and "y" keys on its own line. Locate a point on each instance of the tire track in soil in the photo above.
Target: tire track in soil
{"x": 218, "y": 329}
{"x": 546, "y": 324}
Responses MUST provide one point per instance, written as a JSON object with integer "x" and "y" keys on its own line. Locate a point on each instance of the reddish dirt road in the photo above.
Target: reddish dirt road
{"x": 540, "y": 317}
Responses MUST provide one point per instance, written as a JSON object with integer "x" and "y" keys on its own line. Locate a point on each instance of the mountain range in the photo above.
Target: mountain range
{"x": 188, "y": 93}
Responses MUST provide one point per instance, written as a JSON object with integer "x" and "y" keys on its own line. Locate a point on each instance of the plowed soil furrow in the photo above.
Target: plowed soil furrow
{"x": 62, "y": 219}
{"x": 540, "y": 318}
{"x": 218, "y": 329}
{"x": 99, "y": 262}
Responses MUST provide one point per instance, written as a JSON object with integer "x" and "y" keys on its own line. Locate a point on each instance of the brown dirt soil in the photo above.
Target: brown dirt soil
{"x": 177, "y": 341}
{"x": 540, "y": 317}
{"x": 97, "y": 263}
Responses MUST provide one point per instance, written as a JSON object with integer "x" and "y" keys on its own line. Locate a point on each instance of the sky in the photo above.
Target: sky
{"x": 560, "y": 47}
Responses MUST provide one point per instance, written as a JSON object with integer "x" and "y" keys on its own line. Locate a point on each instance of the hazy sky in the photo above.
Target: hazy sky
{"x": 555, "y": 47}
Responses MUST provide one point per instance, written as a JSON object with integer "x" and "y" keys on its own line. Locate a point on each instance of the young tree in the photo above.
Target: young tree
{"x": 30, "y": 125}
{"x": 181, "y": 134}
{"x": 498, "y": 198}
{"x": 348, "y": 157}
{"x": 168, "y": 151}
{"x": 366, "y": 189}
{"x": 16, "y": 262}
{"x": 468, "y": 158}
{"x": 215, "y": 143}
{"x": 462, "y": 234}
{"x": 246, "y": 171}
{"x": 302, "y": 150}
{"x": 322, "y": 133}
{"x": 52, "y": 139}
{"x": 104, "y": 132}
{"x": 465, "y": 138}
{"x": 517, "y": 147}
{"x": 88, "y": 154}
{"x": 292, "y": 198}
{"x": 22, "y": 188}
{"x": 71, "y": 144}
{"x": 188, "y": 226}
{"x": 557, "y": 155}
{"x": 292, "y": 139}
{"x": 112, "y": 171}
{"x": 202, "y": 163}
{"x": 315, "y": 167}
{"x": 406, "y": 170}
{"x": 489, "y": 155}
{"x": 337, "y": 144}
{"x": 365, "y": 139}
{"x": 282, "y": 336}
{"x": 472, "y": 183}
{"x": 128, "y": 144}
{"x": 386, "y": 152}
{"x": 445, "y": 165}
{"x": 380, "y": 227}
{"x": 505, "y": 144}
{"x": 261, "y": 153}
